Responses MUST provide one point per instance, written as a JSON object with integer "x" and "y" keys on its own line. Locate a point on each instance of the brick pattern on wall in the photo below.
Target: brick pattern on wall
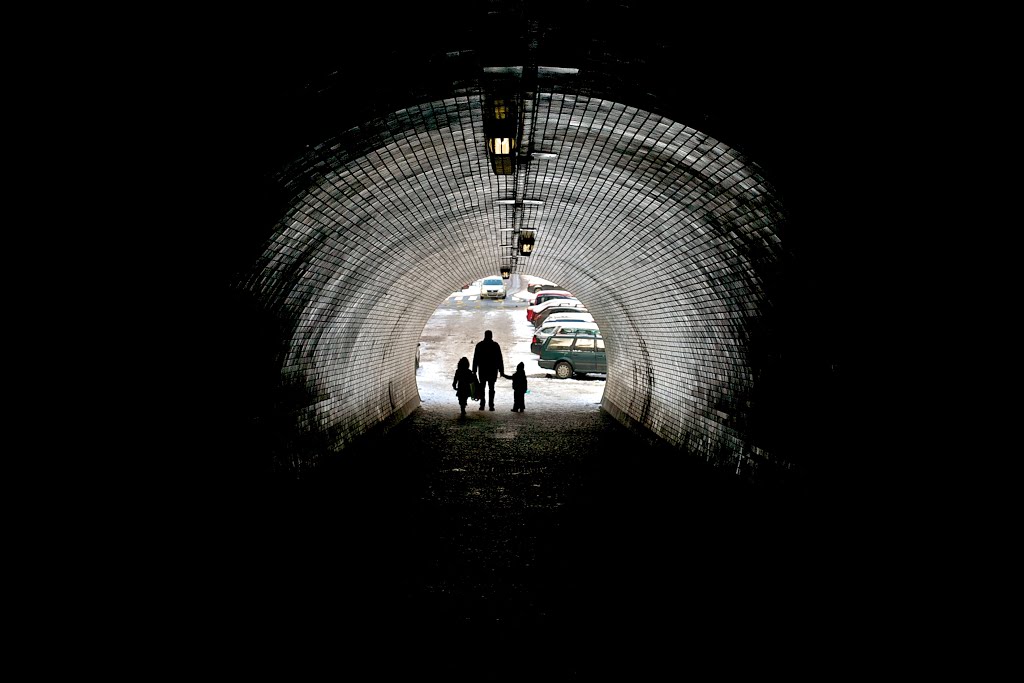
{"x": 668, "y": 236}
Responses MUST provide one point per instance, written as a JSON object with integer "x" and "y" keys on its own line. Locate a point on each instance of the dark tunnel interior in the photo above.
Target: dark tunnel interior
{"x": 329, "y": 158}
{"x": 281, "y": 114}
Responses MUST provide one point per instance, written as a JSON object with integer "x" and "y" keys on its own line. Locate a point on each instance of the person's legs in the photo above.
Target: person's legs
{"x": 490, "y": 388}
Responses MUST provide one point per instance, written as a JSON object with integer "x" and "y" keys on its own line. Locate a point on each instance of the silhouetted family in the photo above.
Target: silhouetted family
{"x": 487, "y": 365}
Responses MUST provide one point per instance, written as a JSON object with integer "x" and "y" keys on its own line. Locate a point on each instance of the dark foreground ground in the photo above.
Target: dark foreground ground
{"x": 499, "y": 546}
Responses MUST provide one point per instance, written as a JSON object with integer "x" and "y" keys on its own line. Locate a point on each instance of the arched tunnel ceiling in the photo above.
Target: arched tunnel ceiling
{"x": 362, "y": 173}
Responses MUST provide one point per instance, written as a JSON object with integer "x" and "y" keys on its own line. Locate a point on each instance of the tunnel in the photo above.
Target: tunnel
{"x": 362, "y": 192}
{"x": 699, "y": 186}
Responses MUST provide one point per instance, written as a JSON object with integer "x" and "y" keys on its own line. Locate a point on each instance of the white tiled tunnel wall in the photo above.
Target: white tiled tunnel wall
{"x": 668, "y": 236}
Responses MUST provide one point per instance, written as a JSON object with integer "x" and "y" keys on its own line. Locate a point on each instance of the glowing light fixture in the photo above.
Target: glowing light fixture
{"x": 526, "y": 240}
{"x": 514, "y": 202}
{"x": 501, "y": 127}
{"x": 503, "y": 146}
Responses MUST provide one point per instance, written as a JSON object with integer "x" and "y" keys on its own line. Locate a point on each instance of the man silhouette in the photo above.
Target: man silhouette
{"x": 487, "y": 363}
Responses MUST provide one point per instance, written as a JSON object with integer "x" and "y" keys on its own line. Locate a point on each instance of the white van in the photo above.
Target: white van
{"x": 492, "y": 288}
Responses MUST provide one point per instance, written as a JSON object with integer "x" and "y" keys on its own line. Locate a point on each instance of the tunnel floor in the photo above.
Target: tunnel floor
{"x": 548, "y": 522}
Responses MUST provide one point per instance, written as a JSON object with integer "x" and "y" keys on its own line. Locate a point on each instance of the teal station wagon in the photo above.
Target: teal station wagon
{"x": 574, "y": 350}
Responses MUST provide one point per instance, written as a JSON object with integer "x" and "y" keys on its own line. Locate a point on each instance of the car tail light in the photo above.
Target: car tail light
{"x": 534, "y": 339}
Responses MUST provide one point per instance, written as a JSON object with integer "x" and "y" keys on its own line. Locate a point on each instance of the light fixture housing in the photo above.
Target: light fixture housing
{"x": 502, "y": 153}
{"x": 526, "y": 242}
{"x": 501, "y": 128}
{"x": 516, "y": 202}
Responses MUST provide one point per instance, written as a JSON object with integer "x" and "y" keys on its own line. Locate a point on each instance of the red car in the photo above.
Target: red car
{"x": 533, "y": 311}
{"x": 543, "y": 295}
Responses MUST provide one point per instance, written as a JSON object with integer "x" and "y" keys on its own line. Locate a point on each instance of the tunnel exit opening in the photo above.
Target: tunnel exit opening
{"x": 460, "y": 322}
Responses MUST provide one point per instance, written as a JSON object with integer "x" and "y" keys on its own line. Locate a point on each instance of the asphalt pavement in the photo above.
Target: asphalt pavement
{"x": 459, "y": 539}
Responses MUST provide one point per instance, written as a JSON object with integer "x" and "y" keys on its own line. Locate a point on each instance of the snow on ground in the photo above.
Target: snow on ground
{"x": 437, "y": 364}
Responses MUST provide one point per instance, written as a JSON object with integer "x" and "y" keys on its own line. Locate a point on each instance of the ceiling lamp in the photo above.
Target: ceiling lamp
{"x": 526, "y": 240}
{"x": 501, "y": 127}
{"x": 514, "y": 202}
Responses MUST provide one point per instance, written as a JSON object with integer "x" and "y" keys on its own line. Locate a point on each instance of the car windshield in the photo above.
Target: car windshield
{"x": 492, "y": 281}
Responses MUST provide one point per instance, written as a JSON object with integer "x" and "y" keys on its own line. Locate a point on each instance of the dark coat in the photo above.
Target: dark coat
{"x": 463, "y": 378}
{"x": 487, "y": 359}
{"x": 518, "y": 381}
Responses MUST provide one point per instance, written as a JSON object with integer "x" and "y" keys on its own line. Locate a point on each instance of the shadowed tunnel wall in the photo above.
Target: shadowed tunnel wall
{"x": 372, "y": 214}
{"x": 666, "y": 234}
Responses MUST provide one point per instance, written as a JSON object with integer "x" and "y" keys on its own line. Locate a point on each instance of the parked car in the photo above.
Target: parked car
{"x": 545, "y": 294}
{"x": 534, "y": 287}
{"x": 532, "y": 311}
{"x": 493, "y": 288}
{"x": 574, "y": 350}
{"x": 574, "y": 316}
{"x": 561, "y": 327}
{"x": 542, "y": 316}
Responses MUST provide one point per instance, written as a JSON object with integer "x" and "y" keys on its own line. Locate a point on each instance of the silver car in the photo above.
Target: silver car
{"x": 492, "y": 288}
{"x": 547, "y": 329}
{"x": 578, "y": 316}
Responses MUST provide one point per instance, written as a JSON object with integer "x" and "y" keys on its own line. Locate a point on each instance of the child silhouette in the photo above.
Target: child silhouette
{"x": 518, "y": 388}
{"x": 463, "y": 382}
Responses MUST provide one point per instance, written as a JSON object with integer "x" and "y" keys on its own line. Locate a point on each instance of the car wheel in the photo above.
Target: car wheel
{"x": 563, "y": 370}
